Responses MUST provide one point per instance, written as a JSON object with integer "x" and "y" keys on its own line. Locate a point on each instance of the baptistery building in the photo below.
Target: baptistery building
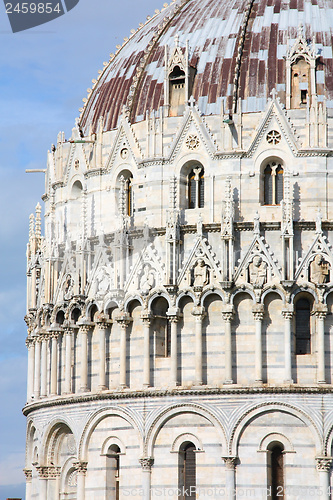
{"x": 180, "y": 281}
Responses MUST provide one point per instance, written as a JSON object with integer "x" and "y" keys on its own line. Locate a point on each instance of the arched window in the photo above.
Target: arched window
{"x": 303, "y": 327}
{"x": 273, "y": 183}
{"x": 125, "y": 201}
{"x": 275, "y": 472}
{"x": 300, "y": 83}
{"x": 177, "y": 91}
{"x": 187, "y": 471}
{"x": 113, "y": 472}
{"x": 196, "y": 188}
{"x": 129, "y": 196}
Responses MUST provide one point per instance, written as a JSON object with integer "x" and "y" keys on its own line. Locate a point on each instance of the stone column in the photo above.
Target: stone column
{"x": 30, "y": 343}
{"x": 43, "y": 384}
{"x": 198, "y": 313}
{"x": 230, "y": 477}
{"x": 37, "y": 368}
{"x": 102, "y": 326}
{"x": 68, "y": 361}
{"x": 54, "y": 363}
{"x": 288, "y": 316}
{"x": 146, "y": 464}
{"x": 43, "y": 473}
{"x": 81, "y": 468}
{"x": 174, "y": 318}
{"x": 321, "y": 315}
{"x": 146, "y": 320}
{"x": 227, "y": 315}
{"x": 258, "y": 315}
{"x": 83, "y": 331}
{"x": 324, "y": 465}
{"x": 124, "y": 320}
{"x": 28, "y": 483}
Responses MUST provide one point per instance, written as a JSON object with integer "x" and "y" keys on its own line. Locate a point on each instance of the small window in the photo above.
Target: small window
{"x": 303, "y": 327}
{"x": 187, "y": 471}
{"x": 300, "y": 83}
{"x": 196, "y": 188}
{"x": 129, "y": 197}
{"x": 273, "y": 183}
{"x": 275, "y": 472}
{"x": 113, "y": 472}
{"x": 177, "y": 91}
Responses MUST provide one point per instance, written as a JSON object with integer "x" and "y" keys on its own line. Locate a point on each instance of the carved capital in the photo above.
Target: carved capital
{"x": 173, "y": 319}
{"x": 101, "y": 320}
{"x": 146, "y": 318}
{"x": 146, "y": 463}
{"x": 227, "y": 313}
{"x": 287, "y": 314}
{"x": 230, "y": 462}
{"x": 28, "y": 474}
{"x": 324, "y": 464}
{"x": 124, "y": 320}
{"x": 54, "y": 472}
{"x": 81, "y": 467}
{"x": 258, "y": 312}
{"x": 43, "y": 472}
{"x": 84, "y": 328}
{"x": 198, "y": 312}
{"x": 29, "y": 342}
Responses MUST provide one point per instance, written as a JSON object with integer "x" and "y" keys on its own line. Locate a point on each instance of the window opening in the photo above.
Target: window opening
{"x": 303, "y": 330}
{"x": 273, "y": 184}
{"x": 276, "y": 472}
{"x": 187, "y": 471}
{"x": 196, "y": 188}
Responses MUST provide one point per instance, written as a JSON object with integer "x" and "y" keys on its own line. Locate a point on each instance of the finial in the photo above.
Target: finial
{"x": 177, "y": 40}
{"x": 31, "y": 227}
{"x": 191, "y": 101}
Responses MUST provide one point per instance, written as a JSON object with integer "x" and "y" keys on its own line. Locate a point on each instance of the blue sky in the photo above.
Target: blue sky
{"x": 44, "y": 74}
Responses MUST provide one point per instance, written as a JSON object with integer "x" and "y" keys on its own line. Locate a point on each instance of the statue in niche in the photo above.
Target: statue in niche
{"x": 258, "y": 271}
{"x": 68, "y": 287}
{"x": 147, "y": 280}
{"x": 319, "y": 270}
{"x": 101, "y": 281}
{"x": 200, "y": 273}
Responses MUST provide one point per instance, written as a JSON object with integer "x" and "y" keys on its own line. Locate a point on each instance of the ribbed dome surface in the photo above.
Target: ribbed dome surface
{"x": 237, "y": 47}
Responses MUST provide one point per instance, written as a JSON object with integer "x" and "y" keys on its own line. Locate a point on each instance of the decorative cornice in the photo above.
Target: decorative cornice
{"x": 176, "y": 392}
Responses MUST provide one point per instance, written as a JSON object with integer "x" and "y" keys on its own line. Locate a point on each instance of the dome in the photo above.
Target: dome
{"x": 236, "y": 49}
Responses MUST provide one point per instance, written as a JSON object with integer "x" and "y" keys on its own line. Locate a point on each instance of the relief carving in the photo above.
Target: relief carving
{"x": 147, "y": 280}
{"x": 258, "y": 272}
{"x": 319, "y": 270}
{"x": 200, "y": 273}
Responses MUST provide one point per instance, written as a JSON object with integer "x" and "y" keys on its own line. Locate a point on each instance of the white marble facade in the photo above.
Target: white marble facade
{"x": 182, "y": 295}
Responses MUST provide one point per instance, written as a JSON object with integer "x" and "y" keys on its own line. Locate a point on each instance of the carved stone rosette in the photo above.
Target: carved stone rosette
{"x": 146, "y": 463}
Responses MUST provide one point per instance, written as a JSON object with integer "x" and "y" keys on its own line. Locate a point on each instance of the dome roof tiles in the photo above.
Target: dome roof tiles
{"x": 214, "y": 31}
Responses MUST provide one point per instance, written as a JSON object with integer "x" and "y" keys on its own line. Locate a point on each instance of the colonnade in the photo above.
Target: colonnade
{"x": 40, "y": 363}
{"x": 49, "y": 479}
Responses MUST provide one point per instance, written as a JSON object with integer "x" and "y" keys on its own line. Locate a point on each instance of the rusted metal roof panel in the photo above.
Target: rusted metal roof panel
{"x": 213, "y": 30}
